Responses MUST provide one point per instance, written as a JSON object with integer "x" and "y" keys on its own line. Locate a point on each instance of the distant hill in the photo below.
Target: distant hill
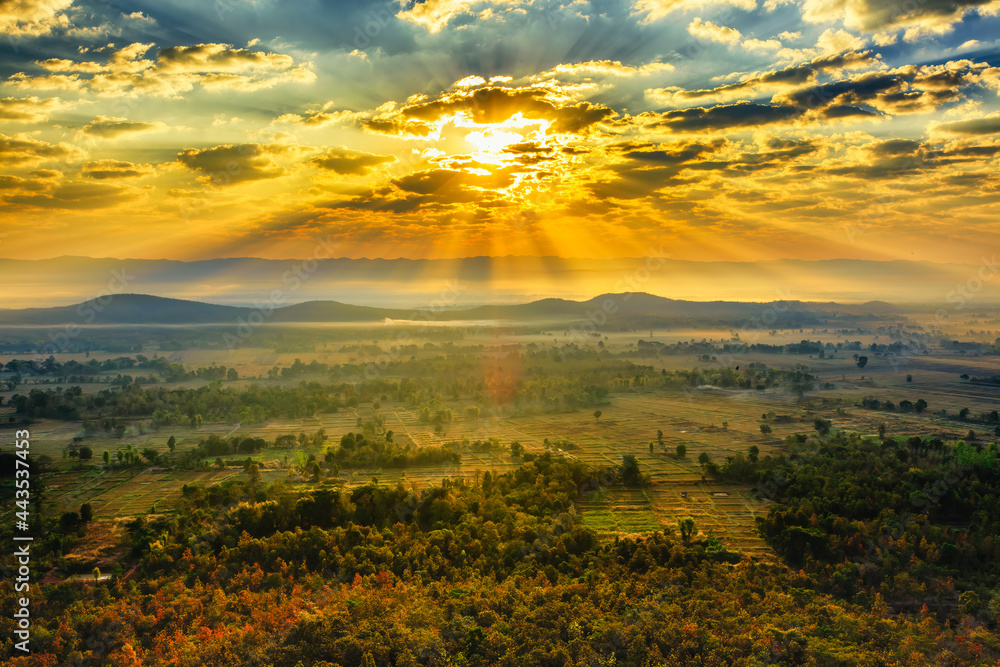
{"x": 141, "y": 309}
{"x": 469, "y": 281}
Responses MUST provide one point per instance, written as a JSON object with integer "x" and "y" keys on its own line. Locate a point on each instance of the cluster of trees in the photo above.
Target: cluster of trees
{"x": 495, "y": 573}
{"x": 75, "y": 371}
{"x": 209, "y": 403}
{"x": 914, "y": 521}
{"x": 709, "y": 349}
{"x": 905, "y": 405}
{"x": 359, "y": 451}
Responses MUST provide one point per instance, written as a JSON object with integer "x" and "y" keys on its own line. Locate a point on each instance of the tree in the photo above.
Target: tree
{"x": 704, "y": 459}
{"x": 516, "y": 449}
{"x": 86, "y": 453}
{"x": 765, "y": 429}
{"x": 753, "y": 453}
{"x": 630, "y": 471}
{"x": 253, "y": 471}
{"x": 881, "y": 431}
{"x": 597, "y": 414}
{"x": 171, "y": 443}
{"x": 822, "y": 426}
{"x": 107, "y": 457}
{"x": 650, "y": 446}
{"x": 149, "y": 454}
{"x": 231, "y": 374}
{"x": 862, "y": 362}
{"x": 686, "y": 526}
{"x": 86, "y": 513}
{"x": 97, "y": 574}
{"x": 682, "y": 450}
{"x": 659, "y": 437}
{"x": 920, "y": 405}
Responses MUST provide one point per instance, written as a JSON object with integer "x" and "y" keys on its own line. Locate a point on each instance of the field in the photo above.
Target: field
{"x": 704, "y": 420}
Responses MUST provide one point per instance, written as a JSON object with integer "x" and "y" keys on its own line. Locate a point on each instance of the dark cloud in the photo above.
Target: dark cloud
{"x": 350, "y": 162}
{"x": 75, "y": 195}
{"x": 721, "y": 117}
{"x": 230, "y": 164}
{"x": 974, "y": 126}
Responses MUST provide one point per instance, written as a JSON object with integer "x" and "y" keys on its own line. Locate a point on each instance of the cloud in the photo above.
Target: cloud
{"x": 838, "y": 41}
{"x": 107, "y": 127}
{"x": 971, "y": 126}
{"x": 350, "y": 162}
{"x": 20, "y": 150}
{"x": 230, "y": 164}
{"x": 29, "y": 109}
{"x": 601, "y": 68}
{"x": 714, "y": 33}
{"x": 176, "y": 70}
{"x": 906, "y": 90}
{"x": 322, "y": 115}
{"x": 492, "y": 105}
{"x": 113, "y": 169}
{"x": 909, "y": 89}
{"x": 433, "y": 15}
{"x": 75, "y": 195}
{"x": 724, "y": 116}
{"x": 761, "y": 45}
{"x": 654, "y": 10}
{"x": 32, "y": 17}
{"x": 788, "y": 77}
{"x": 876, "y": 16}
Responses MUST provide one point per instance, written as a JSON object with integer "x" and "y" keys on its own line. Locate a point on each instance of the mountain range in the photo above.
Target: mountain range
{"x": 142, "y": 309}
{"x": 401, "y": 283}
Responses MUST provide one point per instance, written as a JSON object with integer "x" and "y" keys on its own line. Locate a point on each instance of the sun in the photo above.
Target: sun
{"x": 492, "y": 141}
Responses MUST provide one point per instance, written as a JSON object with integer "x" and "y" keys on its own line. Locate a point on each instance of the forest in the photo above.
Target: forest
{"x": 501, "y": 572}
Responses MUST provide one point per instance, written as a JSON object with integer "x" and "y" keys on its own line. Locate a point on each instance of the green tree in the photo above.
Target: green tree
{"x": 753, "y": 453}
{"x": 231, "y": 374}
{"x": 107, "y": 457}
{"x": 630, "y": 471}
{"x": 686, "y": 525}
{"x": 682, "y": 450}
{"x": 765, "y": 429}
{"x": 822, "y": 426}
{"x": 86, "y": 513}
{"x": 171, "y": 443}
{"x": 597, "y": 414}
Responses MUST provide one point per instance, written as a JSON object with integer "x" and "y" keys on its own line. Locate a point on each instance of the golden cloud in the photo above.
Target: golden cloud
{"x": 109, "y": 128}
{"x": 32, "y": 17}
{"x": 114, "y": 169}
{"x": 29, "y": 109}
{"x": 20, "y": 150}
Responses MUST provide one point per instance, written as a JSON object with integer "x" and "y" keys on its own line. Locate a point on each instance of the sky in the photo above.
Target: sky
{"x": 724, "y": 130}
